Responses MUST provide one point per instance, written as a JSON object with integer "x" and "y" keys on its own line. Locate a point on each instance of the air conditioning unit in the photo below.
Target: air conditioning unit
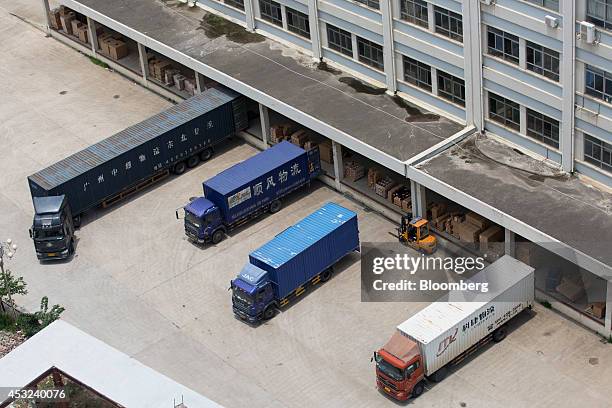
{"x": 551, "y": 21}
{"x": 588, "y": 32}
{"x": 487, "y": 2}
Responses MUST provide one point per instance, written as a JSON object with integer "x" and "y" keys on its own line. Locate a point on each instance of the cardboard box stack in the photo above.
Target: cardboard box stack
{"x": 299, "y": 138}
{"x": 456, "y": 220}
{"x": 190, "y": 86}
{"x": 398, "y": 194}
{"x": 83, "y": 34}
{"x": 353, "y": 170}
{"x": 470, "y": 229}
{"x": 383, "y": 186}
{"x": 325, "y": 151}
{"x": 54, "y": 17}
{"x": 117, "y": 49}
{"x": 278, "y": 133}
{"x": 373, "y": 176}
{"x": 66, "y": 21}
{"x": 179, "y": 81}
{"x": 169, "y": 76}
{"x": 494, "y": 233}
{"x": 597, "y": 309}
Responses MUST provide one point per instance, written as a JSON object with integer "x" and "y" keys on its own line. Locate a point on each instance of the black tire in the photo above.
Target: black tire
{"x": 500, "y": 334}
{"x": 206, "y": 154}
{"x": 326, "y": 274}
{"x": 71, "y": 248}
{"x": 77, "y": 221}
{"x": 418, "y": 389}
{"x": 275, "y": 206}
{"x": 193, "y": 161}
{"x": 179, "y": 168}
{"x": 269, "y": 313}
{"x": 439, "y": 375}
{"x": 218, "y": 236}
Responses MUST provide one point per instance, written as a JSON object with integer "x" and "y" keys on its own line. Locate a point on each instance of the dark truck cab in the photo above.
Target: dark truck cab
{"x": 52, "y": 228}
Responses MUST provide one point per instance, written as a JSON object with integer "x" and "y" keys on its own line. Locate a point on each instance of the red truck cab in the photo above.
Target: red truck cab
{"x": 399, "y": 368}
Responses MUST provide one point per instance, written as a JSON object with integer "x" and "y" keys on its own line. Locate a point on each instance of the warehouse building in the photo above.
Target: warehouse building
{"x": 494, "y": 107}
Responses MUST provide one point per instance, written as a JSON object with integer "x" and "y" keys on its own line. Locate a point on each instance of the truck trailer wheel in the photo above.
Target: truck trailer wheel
{"x": 218, "y": 236}
{"x": 193, "y": 161}
{"x": 206, "y": 154}
{"x": 500, "y": 334}
{"x": 418, "y": 389}
{"x": 179, "y": 168}
{"x": 275, "y": 206}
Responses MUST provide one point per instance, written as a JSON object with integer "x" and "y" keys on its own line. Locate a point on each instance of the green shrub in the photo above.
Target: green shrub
{"x": 7, "y": 323}
{"x": 546, "y": 304}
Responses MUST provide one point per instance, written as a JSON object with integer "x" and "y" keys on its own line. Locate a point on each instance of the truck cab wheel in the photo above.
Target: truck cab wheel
{"x": 326, "y": 275}
{"x": 218, "y": 236}
{"x": 206, "y": 154}
{"x": 77, "y": 221}
{"x": 500, "y": 334}
{"x": 71, "y": 248}
{"x": 269, "y": 313}
{"x": 418, "y": 389}
{"x": 179, "y": 168}
{"x": 193, "y": 161}
{"x": 275, "y": 206}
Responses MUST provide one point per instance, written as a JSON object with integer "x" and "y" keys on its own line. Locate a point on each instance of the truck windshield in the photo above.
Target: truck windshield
{"x": 192, "y": 219}
{"x": 389, "y": 369}
{"x": 242, "y": 295}
{"x": 47, "y": 234}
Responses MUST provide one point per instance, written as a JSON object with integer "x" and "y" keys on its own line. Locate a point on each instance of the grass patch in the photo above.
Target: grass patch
{"x": 7, "y": 323}
{"x": 97, "y": 62}
{"x": 546, "y": 304}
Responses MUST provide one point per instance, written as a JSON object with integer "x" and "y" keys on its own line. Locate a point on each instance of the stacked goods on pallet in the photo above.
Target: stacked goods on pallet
{"x": 597, "y": 309}
{"x": 278, "y": 133}
{"x": 384, "y": 185}
{"x": 54, "y": 17}
{"x": 494, "y": 233}
{"x": 299, "y": 138}
{"x": 179, "y": 81}
{"x": 353, "y": 170}
{"x": 456, "y": 220}
{"x": 113, "y": 45}
{"x": 83, "y": 34}
{"x": 169, "y": 76}
{"x": 325, "y": 151}
{"x": 436, "y": 210}
{"x": 398, "y": 193}
{"x": 470, "y": 229}
{"x": 66, "y": 21}
{"x": 374, "y": 175}
{"x": 190, "y": 86}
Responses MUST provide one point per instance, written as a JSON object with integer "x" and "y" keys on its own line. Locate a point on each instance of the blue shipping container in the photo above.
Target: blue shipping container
{"x": 243, "y": 188}
{"x": 307, "y": 248}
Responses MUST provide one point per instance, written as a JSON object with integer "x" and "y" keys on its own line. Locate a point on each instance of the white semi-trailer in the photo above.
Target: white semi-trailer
{"x": 425, "y": 345}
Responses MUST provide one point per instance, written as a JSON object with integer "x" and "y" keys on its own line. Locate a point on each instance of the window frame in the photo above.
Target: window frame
{"x": 272, "y": 5}
{"x": 290, "y": 14}
{"x": 605, "y": 94}
{"x": 440, "y": 14}
{"x": 543, "y": 3}
{"x": 506, "y": 105}
{"x": 540, "y": 134}
{"x": 237, "y": 4}
{"x": 370, "y": 60}
{"x": 541, "y": 68}
{"x": 340, "y": 34}
{"x": 604, "y": 21}
{"x": 605, "y": 150}
{"x": 417, "y": 17}
{"x": 504, "y": 44}
{"x": 455, "y": 83}
{"x": 419, "y": 69}
{"x": 373, "y": 4}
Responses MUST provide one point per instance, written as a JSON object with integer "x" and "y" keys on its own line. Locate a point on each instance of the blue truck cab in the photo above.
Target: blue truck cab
{"x": 303, "y": 255}
{"x": 249, "y": 189}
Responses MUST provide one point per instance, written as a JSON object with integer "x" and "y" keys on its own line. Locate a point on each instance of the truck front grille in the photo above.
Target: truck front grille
{"x": 387, "y": 383}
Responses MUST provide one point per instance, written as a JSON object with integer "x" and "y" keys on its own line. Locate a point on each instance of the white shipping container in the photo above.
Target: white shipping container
{"x": 456, "y": 322}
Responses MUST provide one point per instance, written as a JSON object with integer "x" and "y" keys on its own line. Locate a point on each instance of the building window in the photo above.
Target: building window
{"x": 339, "y": 40}
{"x": 599, "y": 12}
{"x": 598, "y": 83}
{"x": 415, "y": 12}
{"x": 451, "y": 88}
{"x": 502, "y": 44}
{"x": 549, "y": 4}
{"x": 417, "y": 73}
{"x": 504, "y": 111}
{"x": 543, "y": 61}
{"x": 449, "y": 24}
{"x": 598, "y": 152}
{"x": 271, "y": 11}
{"x": 297, "y": 22}
{"x": 370, "y": 3}
{"x": 370, "y": 53}
{"x": 239, "y": 4}
{"x": 543, "y": 128}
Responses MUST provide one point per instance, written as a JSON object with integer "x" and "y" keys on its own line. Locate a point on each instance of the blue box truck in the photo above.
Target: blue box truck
{"x": 128, "y": 161}
{"x": 249, "y": 189}
{"x": 300, "y": 256}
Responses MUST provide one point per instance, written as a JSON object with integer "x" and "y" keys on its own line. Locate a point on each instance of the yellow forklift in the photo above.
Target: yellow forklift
{"x": 414, "y": 232}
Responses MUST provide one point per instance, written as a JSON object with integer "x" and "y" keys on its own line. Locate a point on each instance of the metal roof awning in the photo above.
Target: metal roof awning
{"x": 384, "y": 128}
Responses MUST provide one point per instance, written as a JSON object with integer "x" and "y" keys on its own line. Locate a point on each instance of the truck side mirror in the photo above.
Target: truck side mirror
{"x": 31, "y": 234}
{"x": 230, "y": 286}
{"x": 176, "y": 213}
{"x": 373, "y": 357}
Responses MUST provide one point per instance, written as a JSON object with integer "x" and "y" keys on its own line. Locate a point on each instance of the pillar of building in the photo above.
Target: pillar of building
{"x": 473, "y": 64}
{"x": 93, "y": 37}
{"x": 386, "y": 10}
{"x": 315, "y": 33}
{"x": 568, "y": 9}
{"x": 608, "y": 319}
{"x": 200, "y": 82}
{"x": 249, "y": 12}
{"x": 264, "y": 118}
{"x": 418, "y": 197}
{"x": 144, "y": 64}
{"x": 47, "y": 12}
{"x": 509, "y": 243}
{"x": 338, "y": 167}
